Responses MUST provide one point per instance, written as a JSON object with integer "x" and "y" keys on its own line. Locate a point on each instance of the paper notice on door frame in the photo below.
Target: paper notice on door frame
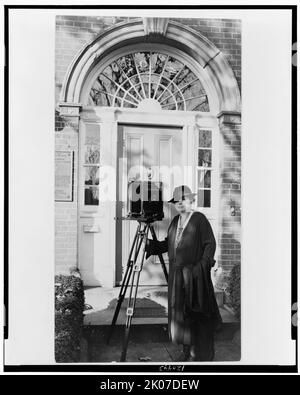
{"x": 64, "y": 176}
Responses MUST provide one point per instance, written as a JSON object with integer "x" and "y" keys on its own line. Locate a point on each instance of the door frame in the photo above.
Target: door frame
{"x": 109, "y": 119}
{"x": 121, "y": 233}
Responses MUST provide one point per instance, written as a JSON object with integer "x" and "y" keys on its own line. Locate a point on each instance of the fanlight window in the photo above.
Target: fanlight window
{"x": 142, "y": 78}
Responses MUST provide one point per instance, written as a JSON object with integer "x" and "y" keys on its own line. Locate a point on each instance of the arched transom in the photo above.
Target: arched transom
{"x": 146, "y": 80}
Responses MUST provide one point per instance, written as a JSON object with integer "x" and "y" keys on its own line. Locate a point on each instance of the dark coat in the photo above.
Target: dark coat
{"x": 190, "y": 290}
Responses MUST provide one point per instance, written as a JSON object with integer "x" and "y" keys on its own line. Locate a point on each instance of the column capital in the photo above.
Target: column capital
{"x": 69, "y": 109}
{"x": 229, "y": 117}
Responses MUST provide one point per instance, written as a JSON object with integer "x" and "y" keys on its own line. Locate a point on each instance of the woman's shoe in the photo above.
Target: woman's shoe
{"x": 182, "y": 357}
{"x": 185, "y": 354}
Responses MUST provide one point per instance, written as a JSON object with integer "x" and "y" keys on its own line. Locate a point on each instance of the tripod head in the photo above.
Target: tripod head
{"x": 149, "y": 219}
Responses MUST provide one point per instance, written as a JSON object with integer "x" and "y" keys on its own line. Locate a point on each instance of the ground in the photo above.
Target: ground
{"x": 146, "y": 345}
{"x": 149, "y": 340}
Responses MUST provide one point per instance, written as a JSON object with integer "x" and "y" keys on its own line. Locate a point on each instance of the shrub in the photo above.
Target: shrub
{"x": 234, "y": 290}
{"x": 69, "y": 305}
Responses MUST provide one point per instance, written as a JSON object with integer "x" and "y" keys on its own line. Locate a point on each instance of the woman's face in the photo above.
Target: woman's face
{"x": 184, "y": 205}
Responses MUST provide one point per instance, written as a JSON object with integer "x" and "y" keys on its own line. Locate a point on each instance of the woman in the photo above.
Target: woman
{"x": 193, "y": 313}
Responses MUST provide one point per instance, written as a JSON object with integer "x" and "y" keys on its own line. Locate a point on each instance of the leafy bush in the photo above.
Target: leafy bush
{"x": 234, "y": 290}
{"x": 69, "y": 305}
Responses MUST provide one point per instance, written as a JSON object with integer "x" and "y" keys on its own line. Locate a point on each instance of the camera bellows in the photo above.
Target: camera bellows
{"x": 145, "y": 199}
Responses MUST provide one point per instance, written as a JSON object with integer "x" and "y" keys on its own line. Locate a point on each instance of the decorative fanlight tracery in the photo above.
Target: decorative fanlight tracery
{"x": 143, "y": 77}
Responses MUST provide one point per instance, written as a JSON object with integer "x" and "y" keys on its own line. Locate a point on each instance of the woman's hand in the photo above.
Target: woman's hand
{"x": 205, "y": 263}
{"x": 151, "y": 248}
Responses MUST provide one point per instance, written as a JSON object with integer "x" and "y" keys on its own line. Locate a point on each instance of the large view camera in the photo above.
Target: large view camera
{"x": 145, "y": 200}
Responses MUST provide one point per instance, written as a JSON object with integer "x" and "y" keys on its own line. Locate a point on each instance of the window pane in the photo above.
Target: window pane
{"x": 149, "y": 72}
{"x": 116, "y": 73}
{"x": 126, "y": 63}
{"x": 140, "y": 90}
{"x": 204, "y": 138}
{"x": 204, "y": 157}
{"x": 204, "y": 178}
{"x": 142, "y": 61}
{"x": 92, "y": 144}
{"x": 203, "y": 198}
{"x": 146, "y": 89}
{"x": 157, "y": 63}
{"x": 92, "y": 154}
{"x": 129, "y": 102}
{"x": 91, "y": 175}
{"x": 127, "y": 86}
{"x": 91, "y": 196}
{"x": 185, "y": 77}
{"x": 203, "y": 106}
{"x": 172, "y": 68}
{"x": 197, "y": 104}
{"x": 105, "y": 84}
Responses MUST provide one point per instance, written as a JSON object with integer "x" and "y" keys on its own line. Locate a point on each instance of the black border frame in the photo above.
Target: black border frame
{"x": 294, "y": 270}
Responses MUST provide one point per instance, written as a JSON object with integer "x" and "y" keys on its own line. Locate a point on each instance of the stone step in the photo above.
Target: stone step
{"x": 151, "y": 310}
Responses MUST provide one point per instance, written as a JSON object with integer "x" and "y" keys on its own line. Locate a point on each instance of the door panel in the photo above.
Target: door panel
{"x": 151, "y": 153}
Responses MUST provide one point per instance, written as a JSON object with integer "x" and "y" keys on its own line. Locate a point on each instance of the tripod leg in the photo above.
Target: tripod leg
{"x": 131, "y": 302}
{"x": 161, "y": 259}
{"x": 125, "y": 283}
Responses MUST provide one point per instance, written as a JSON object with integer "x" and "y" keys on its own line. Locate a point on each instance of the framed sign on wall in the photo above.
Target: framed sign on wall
{"x": 64, "y": 165}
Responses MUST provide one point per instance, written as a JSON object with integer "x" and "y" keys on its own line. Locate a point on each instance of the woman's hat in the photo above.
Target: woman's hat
{"x": 181, "y": 193}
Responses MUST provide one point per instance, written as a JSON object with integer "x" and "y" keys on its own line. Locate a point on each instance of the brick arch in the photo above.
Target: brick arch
{"x": 212, "y": 64}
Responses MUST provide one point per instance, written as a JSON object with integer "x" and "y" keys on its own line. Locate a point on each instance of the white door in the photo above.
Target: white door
{"x": 155, "y": 154}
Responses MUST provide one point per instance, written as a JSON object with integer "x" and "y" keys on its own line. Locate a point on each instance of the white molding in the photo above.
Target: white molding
{"x": 69, "y": 109}
{"x": 209, "y": 59}
{"x": 229, "y": 117}
{"x": 102, "y": 216}
{"x": 162, "y": 117}
{"x": 155, "y": 26}
{"x": 159, "y": 47}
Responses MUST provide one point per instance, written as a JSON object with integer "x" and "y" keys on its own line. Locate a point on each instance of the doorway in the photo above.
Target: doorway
{"x": 146, "y": 153}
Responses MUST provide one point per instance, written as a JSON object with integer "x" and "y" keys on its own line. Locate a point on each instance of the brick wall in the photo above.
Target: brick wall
{"x": 225, "y": 34}
{"x": 72, "y": 33}
{"x": 230, "y": 199}
{"x": 66, "y": 138}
